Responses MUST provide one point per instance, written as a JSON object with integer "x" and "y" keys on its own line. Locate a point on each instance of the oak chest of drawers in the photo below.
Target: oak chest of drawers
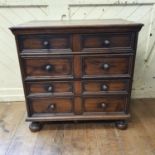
{"x": 77, "y": 70}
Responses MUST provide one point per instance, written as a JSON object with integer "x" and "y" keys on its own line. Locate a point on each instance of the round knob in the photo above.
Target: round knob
{"x": 104, "y": 87}
{"x": 103, "y": 105}
{"x": 51, "y": 107}
{"x": 105, "y": 66}
{"x": 49, "y": 88}
{"x": 45, "y": 43}
{"x": 106, "y": 42}
{"x": 48, "y": 67}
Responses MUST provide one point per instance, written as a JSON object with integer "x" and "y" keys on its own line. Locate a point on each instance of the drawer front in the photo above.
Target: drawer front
{"x": 106, "y": 40}
{"x": 50, "y": 87}
{"x": 107, "y": 66}
{"x": 53, "y": 106}
{"x": 104, "y": 104}
{"x": 54, "y": 67}
{"x": 41, "y": 41}
{"x": 105, "y": 86}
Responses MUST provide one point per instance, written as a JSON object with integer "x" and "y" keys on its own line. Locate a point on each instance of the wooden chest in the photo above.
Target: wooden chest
{"x": 77, "y": 70}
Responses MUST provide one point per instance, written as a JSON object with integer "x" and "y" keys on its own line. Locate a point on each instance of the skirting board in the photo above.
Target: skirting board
{"x": 11, "y": 94}
{"x": 145, "y": 93}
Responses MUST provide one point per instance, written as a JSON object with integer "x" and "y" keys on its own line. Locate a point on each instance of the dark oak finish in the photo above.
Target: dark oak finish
{"x": 45, "y": 67}
{"x": 107, "y": 65}
{"x": 51, "y": 106}
{"x": 45, "y": 42}
{"x": 104, "y": 104}
{"x": 106, "y": 40}
{"x": 77, "y": 70}
{"x": 105, "y": 86}
{"x": 121, "y": 124}
{"x": 35, "y": 126}
{"x": 50, "y": 87}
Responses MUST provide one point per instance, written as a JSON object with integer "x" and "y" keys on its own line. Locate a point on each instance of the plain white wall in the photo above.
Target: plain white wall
{"x": 13, "y": 12}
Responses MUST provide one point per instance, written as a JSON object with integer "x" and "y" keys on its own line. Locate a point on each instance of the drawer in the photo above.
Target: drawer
{"x": 52, "y": 106}
{"x": 107, "y": 40}
{"x": 45, "y": 41}
{"x": 109, "y": 103}
{"x": 48, "y": 67}
{"x": 105, "y": 86}
{"x": 106, "y": 66}
{"x": 50, "y": 88}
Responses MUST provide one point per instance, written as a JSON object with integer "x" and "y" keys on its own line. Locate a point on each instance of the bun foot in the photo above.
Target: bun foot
{"x": 122, "y": 125}
{"x": 35, "y": 126}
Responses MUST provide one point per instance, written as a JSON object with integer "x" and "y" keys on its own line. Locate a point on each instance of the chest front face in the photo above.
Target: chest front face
{"x": 77, "y": 73}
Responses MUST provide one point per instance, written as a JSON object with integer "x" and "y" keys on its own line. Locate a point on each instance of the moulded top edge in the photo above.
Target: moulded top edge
{"x": 77, "y": 24}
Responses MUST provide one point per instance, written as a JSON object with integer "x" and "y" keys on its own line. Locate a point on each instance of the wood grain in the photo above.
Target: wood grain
{"x": 117, "y": 65}
{"x": 106, "y": 40}
{"x": 49, "y": 141}
{"x": 11, "y": 116}
{"x": 45, "y": 42}
{"x": 85, "y": 138}
{"x": 50, "y": 65}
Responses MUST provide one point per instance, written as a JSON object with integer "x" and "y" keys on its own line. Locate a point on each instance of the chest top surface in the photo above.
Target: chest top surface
{"x": 78, "y": 24}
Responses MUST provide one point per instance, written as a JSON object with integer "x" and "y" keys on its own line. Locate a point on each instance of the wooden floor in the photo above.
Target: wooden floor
{"x": 91, "y": 138}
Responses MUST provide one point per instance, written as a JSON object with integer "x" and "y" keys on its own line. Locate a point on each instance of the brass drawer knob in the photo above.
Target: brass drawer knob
{"x": 104, "y": 87}
{"x": 106, "y": 42}
{"x": 103, "y": 105}
{"x": 105, "y": 66}
{"x": 48, "y": 67}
